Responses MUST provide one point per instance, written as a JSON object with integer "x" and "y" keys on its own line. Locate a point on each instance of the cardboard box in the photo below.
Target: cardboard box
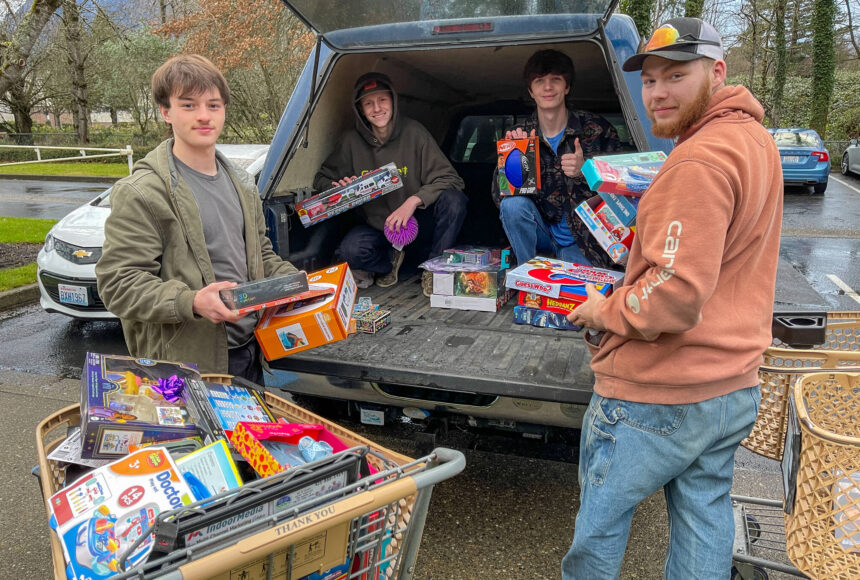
{"x": 540, "y": 302}
{"x": 337, "y": 200}
{"x": 623, "y": 206}
{"x": 560, "y": 279}
{"x": 372, "y": 321}
{"x": 253, "y": 295}
{"x": 121, "y": 407}
{"x": 625, "y": 173}
{"x": 470, "y": 303}
{"x": 249, "y": 439}
{"x": 607, "y": 229}
{"x": 519, "y": 166}
{"x": 480, "y": 284}
{"x": 298, "y": 326}
{"x": 542, "y": 318}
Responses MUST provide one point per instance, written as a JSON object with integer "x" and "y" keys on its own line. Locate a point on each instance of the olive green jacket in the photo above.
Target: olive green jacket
{"x": 155, "y": 259}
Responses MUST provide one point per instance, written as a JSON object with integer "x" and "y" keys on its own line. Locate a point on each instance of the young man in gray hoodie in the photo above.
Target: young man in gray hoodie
{"x": 430, "y": 184}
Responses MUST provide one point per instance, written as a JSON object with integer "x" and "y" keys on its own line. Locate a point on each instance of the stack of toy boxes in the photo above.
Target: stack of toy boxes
{"x": 298, "y": 326}
{"x": 619, "y": 180}
{"x": 470, "y": 278}
{"x": 551, "y": 289}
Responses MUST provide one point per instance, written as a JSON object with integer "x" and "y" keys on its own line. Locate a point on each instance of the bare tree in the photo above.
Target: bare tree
{"x": 15, "y": 46}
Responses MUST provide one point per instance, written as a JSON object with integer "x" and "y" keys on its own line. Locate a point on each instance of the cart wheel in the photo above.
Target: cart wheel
{"x": 758, "y": 574}
{"x": 753, "y": 529}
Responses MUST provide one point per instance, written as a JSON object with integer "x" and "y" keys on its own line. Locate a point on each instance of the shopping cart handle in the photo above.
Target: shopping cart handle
{"x": 448, "y": 463}
{"x": 800, "y": 329}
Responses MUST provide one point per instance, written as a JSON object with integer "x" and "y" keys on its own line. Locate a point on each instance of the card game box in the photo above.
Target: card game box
{"x": 542, "y": 318}
{"x": 541, "y": 302}
{"x": 519, "y": 166}
{"x": 625, "y": 173}
{"x": 302, "y": 325}
{"x": 560, "y": 279}
{"x": 257, "y": 294}
{"x": 336, "y": 200}
{"x": 372, "y": 321}
{"x": 609, "y": 231}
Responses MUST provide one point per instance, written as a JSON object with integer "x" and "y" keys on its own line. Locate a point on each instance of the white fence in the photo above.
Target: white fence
{"x": 100, "y": 153}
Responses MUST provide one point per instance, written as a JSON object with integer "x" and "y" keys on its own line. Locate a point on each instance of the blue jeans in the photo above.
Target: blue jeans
{"x": 630, "y": 450}
{"x": 530, "y": 235}
{"x": 366, "y": 248}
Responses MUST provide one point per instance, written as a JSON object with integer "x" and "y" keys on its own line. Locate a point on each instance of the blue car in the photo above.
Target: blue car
{"x": 805, "y": 160}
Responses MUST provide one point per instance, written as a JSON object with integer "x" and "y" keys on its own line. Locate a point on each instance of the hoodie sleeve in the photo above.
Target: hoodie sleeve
{"x": 335, "y": 167}
{"x": 437, "y": 173}
{"x": 682, "y": 232}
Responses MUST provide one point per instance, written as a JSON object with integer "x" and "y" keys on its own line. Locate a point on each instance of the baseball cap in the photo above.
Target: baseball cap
{"x": 371, "y": 83}
{"x": 680, "y": 39}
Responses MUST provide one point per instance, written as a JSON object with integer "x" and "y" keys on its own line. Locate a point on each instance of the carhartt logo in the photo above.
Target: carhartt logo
{"x": 370, "y": 85}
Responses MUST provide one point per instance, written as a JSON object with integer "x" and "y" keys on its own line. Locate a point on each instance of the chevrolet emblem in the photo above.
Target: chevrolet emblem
{"x": 82, "y": 254}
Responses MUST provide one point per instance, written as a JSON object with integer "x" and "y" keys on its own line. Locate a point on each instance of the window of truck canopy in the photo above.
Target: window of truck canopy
{"x": 362, "y": 24}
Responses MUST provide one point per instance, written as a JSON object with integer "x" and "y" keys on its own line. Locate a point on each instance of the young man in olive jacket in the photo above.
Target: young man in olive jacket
{"x": 183, "y": 226}
{"x": 430, "y": 183}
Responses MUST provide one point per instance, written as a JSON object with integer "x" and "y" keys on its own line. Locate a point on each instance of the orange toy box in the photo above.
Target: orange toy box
{"x": 273, "y": 447}
{"x": 298, "y": 326}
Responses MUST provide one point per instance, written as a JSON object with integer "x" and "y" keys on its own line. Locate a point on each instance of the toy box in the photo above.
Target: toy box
{"x": 337, "y": 200}
{"x": 542, "y": 318}
{"x": 519, "y": 166}
{"x": 372, "y": 321}
{"x": 298, "y": 326}
{"x": 559, "y": 279}
{"x": 127, "y": 401}
{"x": 623, "y": 206}
{"x": 481, "y": 284}
{"x": 557, "y": 305}
{"x": 225, "y": 405}
{"x": 256, "y": 443}
{"x": 612, "y": 235}
{"x": 479, "y": 255}
{"x": 257, "y": 294}
{"x": 470, "y": 302}
{"x": 99, "y": 516}
{"x": 626, "y": 173}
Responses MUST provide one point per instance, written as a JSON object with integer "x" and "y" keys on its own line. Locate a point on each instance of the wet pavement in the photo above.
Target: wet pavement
{"x": 45, "y": 199}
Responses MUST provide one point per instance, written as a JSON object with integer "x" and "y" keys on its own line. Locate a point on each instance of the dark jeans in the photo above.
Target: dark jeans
{"x": 366, "y": 248}
{"x": 244, "y": 361}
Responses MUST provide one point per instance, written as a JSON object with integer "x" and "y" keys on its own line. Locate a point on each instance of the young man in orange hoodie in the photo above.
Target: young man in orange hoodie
{"x": 676, "y": 350}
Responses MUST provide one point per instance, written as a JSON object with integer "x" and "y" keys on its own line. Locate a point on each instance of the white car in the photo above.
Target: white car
{"x": 851, "y": 159}
{"x": 67, "y": 261}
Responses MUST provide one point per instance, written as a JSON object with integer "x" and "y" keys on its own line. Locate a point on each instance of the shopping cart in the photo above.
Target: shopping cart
{"x": 366, "y": 527}
{"x": 783, "y": 364}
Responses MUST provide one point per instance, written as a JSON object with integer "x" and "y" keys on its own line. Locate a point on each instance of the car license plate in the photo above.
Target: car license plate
{"x": 76, "y": 295}
{"x": 791, "y": 159}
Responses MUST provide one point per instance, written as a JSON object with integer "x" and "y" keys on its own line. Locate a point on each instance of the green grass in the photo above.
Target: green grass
{"x": 20, "y": 276}
{"x": 71, "y": 169}
{"x": 24, "y": 230}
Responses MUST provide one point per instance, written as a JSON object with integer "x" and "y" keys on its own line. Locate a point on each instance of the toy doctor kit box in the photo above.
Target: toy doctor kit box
{"x": 625, "y": 174}
{"x": 559, "y": 279}
{"x": 127, "y": 401}
{"x": 99, "y": 516}
{"x": 519, "y": 166}
{"x": 337, "y": 200}
{"x": 307, "y": 324}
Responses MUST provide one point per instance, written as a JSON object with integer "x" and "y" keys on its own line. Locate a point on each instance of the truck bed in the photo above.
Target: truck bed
{"x": 455, "y": 350}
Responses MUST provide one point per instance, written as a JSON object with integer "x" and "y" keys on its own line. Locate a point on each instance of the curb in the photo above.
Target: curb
{"x": 74, "y": 178}
{"x": 15, "y": 297}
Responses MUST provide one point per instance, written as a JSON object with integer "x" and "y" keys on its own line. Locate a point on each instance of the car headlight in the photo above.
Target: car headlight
{"x": 49, "y": 243}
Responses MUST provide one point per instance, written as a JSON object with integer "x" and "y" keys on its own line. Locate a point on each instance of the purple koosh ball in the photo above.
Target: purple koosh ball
{"x": 406, "y": 235}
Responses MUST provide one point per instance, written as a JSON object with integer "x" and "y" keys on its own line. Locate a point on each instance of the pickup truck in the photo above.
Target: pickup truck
{"x": 457, "y": 67}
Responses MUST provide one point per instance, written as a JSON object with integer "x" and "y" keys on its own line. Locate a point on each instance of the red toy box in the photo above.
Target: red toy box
{"x": 559, "y": 279}
{"x": 249, "y": 439}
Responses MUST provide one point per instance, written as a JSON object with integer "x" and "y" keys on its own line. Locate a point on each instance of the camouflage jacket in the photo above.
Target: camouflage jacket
{"x": 559, "y": 195}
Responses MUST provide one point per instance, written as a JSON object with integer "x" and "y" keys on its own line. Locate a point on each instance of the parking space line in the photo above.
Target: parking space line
{"x": 849, "y": 291}
{"x": 845, "y": 183}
